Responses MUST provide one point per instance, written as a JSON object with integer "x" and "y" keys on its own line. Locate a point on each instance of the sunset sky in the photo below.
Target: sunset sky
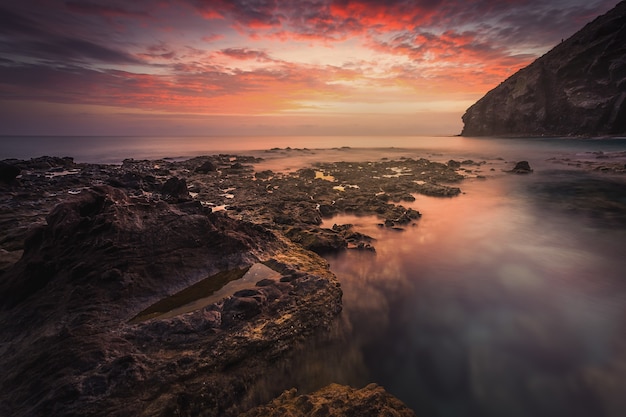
{"x": 265, "y": 67}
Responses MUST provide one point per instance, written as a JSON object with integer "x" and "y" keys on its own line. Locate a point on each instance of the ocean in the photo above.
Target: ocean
{"x": 507, "y": 300}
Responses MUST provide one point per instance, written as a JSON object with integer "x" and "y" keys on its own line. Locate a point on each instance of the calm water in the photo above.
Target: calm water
{"x": 503, "y": 301}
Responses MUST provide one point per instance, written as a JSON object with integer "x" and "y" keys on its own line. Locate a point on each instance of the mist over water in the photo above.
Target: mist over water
{"x": 491, "y": 306}
{"x": 114, "y": 149}
{"x": 508, "y": 300}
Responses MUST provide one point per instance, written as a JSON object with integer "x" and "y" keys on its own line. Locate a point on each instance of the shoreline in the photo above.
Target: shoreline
{"x": 88, "y": 247}
{"x": 93, "y": 245}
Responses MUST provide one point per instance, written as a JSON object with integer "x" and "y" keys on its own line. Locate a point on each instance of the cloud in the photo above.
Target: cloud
{"x": 245, "y": 54}
{"x": 262, "y": 57}
{"x": 28, "y": 38}
{"x": 103, "y": 10}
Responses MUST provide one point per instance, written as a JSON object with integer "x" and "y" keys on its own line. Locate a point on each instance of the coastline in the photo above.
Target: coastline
{"x": 111, "y": 240}
{"x": 123, "y": 237}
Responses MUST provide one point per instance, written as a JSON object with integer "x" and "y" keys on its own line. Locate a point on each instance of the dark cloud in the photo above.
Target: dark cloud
{"x": 28, "y": 38}
{"x": 245, "y": 53}
{"x": 66, "y": 50}
{"x": 103, "y": 10}
{"x": 12, "y": 23}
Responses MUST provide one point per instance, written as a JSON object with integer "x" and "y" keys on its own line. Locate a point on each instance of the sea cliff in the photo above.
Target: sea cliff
{"x": 576, "y": 89}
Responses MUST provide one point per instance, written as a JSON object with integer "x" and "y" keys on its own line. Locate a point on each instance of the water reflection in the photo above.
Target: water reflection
{"x": 490, "y": 306}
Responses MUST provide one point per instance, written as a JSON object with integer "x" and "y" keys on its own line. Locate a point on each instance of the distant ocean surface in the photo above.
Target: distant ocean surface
{"x": 114, "y": 149}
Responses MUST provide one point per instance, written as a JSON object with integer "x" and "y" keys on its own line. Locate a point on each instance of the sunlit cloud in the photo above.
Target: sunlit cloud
{"x": 274, "y": 58}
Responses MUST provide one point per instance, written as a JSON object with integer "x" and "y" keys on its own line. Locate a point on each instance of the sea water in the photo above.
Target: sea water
{"x": 507, "y": 300}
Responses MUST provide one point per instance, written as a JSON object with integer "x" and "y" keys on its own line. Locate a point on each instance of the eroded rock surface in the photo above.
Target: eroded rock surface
{"x": 67, "y": 347}
{"x": 334, "y": 400}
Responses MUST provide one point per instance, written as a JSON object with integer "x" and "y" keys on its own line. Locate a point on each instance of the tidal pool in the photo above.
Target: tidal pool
{"x": 499, "y": 302}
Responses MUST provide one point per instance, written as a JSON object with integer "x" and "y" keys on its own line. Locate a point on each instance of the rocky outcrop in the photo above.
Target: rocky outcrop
{"x": 576, "y": 89}
{"x": 334, "y": 400}
{"x": 90, "y": 254}
{"x": 522, "y": 167}
{"x": 68, "y": 345}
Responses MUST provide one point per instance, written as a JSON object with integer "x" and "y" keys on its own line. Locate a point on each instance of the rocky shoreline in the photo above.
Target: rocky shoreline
{"x": 176, "y": 287}
{"x": 87, "y": 247}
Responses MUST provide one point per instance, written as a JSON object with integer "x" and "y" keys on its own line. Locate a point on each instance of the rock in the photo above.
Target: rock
{"x": 306, "y": 173}
{"x": 454, "y": 164}
{"x": 8, "y": 172}
{"x": 75, "y": 277}
{"x": 578, "y": 88}
{"x": 206, "y": 167}
{"x": 334, "y": 400}
{"x": 522, "y": 167}
{"x": 176, "y": 189}
{"x": 102, "y": 257}
{"x": 319, "y": 241}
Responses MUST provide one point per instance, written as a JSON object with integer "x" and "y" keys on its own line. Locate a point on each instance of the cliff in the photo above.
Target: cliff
{"x": 576, "y": 89}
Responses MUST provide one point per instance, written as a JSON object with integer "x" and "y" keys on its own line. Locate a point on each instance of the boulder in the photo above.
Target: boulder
{"x": 206, "y": 167}
{"x": 522, "y": 167}
{"x": 176, "y": 189}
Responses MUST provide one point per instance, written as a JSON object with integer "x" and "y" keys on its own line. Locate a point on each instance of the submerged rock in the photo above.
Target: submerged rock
{"x": 522, "y": 167}
{"x": 578, "y": 88}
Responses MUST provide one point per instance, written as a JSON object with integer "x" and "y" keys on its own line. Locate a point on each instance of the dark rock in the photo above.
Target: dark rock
{"x": 307, "y": 173}
{"x": 101, "y": 258}
{"x": 206, "y": 167}
{"x": 175, "y": 188}
{"x": 264, "y": 175}
{"x": 238, "y": 309}
{"x": 522, "y": 167}
{"x": 454, "y": 164}
{"x": 319, "y": 241}
{"x": 47, "y": 162}
{"x": 578, "y": 88}
{"x": 8, "y": 172}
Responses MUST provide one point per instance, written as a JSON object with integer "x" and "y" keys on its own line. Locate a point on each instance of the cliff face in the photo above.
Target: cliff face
{"x": 576, "y": 89}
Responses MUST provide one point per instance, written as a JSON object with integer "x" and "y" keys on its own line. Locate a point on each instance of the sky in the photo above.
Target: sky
{"x": 265, "y": 67}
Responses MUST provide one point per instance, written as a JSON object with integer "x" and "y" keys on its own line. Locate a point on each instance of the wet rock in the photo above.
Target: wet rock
{"x": 454, "y": 164}
{"x": 206, "y": 167}
{"x": 522, "y": 167}
{"x": 264, "y": 175}
{"x": 101, "y": 258}
{"x": 176, "y": 189}
{"x": 334, "y": 400}
{"x": 307, "y": 173}
{"x": 47, "y": 162}
{"x": 104, "y": 254}
{"x": 319, "y": 241}
{"x": 8, "y": 172}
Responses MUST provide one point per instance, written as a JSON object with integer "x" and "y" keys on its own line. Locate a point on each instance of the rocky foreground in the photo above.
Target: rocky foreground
{"x": 576, "y": 89}
{"x": 94, "y": 257}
